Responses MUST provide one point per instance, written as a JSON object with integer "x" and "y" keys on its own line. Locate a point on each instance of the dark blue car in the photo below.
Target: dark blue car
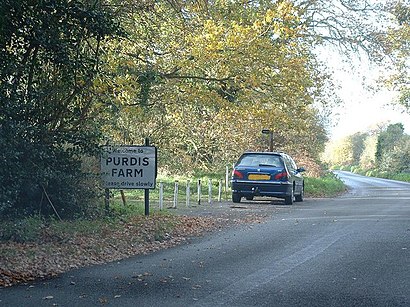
{"x": 271, "y": 174}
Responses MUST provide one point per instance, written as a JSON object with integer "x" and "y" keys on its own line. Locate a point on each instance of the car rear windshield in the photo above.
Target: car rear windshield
{"x": 260, "y": 160}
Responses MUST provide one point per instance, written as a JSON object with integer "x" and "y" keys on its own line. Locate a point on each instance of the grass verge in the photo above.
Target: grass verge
{"x": 327, "y": 186}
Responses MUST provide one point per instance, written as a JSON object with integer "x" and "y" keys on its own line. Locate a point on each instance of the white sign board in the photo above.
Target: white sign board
{"x": 129, "y": 167}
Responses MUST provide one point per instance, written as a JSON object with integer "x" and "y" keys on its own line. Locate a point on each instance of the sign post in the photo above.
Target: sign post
{"x": 130, "y": 167}
{"x": 146, "y": 192}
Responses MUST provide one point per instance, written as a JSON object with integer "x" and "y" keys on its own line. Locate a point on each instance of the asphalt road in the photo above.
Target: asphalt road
{"x": 353, "y": 250}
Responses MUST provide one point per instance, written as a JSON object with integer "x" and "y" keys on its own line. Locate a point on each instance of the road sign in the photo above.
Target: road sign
{"x": 129, "y": 167}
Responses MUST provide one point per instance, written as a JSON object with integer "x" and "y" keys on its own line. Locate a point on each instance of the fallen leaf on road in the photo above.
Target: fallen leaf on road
{"x": 103, "y": 300}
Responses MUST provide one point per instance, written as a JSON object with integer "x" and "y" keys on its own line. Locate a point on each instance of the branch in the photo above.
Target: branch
{"x": 175, "y": 76}
{"x": 50, "y": 202}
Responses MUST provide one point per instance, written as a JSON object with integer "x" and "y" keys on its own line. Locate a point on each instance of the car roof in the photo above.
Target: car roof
{"x": 276, "y": 153}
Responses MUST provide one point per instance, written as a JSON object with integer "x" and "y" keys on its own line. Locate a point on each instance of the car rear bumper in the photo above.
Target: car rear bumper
{"x": 262, "y": 188}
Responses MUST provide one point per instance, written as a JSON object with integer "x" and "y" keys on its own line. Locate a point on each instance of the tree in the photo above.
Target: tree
{"x": 398, "y": 159}
{"x": 50, "y": 54}
{"x": 368, "y": 156}
{"x": 358, "y": 146}
{"x": 203, "y": 79}
{"x": 339, "y": 153}
{"x": 387, "y": 140}
{"x": 398, "y": 48}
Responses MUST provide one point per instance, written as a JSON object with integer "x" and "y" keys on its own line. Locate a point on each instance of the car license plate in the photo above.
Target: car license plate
{"x": 258, "y": 177}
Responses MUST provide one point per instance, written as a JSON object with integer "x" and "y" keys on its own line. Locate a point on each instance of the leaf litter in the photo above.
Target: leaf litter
{"x": 54, "y": 254}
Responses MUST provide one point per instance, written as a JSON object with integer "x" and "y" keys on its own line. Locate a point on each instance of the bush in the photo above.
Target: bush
{"x": 391, "y": 175}
{"x": 401, "y": 177}
{"x": 344, "y": 168}
{"x": 326, "y": 186}
{"x": 49, "y": 115}
{"x": 25, "y": 230}
{"x": 39, "y": 178}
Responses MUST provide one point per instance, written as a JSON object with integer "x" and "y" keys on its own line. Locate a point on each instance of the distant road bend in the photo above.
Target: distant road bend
{"x": 353, "y": 250}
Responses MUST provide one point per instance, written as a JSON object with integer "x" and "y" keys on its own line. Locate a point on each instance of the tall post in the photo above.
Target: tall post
{"x": 210, "y": 191}
{"x": 226, "y": 182}
{"x": 199, "y": 192}
{"x": 270, "y": 132}
{"x": 161, "y": 196}
{"x": 146, "y": 192}
{"x": 124, "y": 201}
{"x": 220, "y": 190}
{"x": 107, "y": 201}
{"x": 176, "y": 190}
{"x": 188, "y": 192}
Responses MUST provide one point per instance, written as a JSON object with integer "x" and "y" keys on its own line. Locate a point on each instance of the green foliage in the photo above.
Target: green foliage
{"x": 400, "y": 177}
{"x": 368, "y": 156}
{"x": 135, "y": 206}
{"x": 67, "y": 229}
{"x": 346, "y": 151}
{"x": 49, "y": 118}
{"x": 36, "y": 229}
{"x": 386, "y": 143}
{"x": 398, "y": 49}
{"x": 400, "y": 157}
{"x": 25, "y": 230}
{"x": 326, "y": 186}
{"x": 396, "y": 157}
{"x": 358, "y": 145}
{"x": 389, "y": 175}
{"x": 339, "y": 152}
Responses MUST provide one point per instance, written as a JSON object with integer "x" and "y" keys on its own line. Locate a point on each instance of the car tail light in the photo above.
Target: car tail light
{"x": 282, "y": 176}
{"x": 237, "y": 174}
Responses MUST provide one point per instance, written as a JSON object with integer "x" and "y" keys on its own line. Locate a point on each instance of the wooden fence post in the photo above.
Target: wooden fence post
{"x": 161, "y": 196}
{"x": 199, "y": 192}
{"x": 107, "y": 201}
{"x": 220, "y": 190}
{"x": 210, "y": 191}
{"x": 175, "y": 195}
{"x": 188, "y": 192}
{"x": 124, "y": 201}
{"x": 226, "y": 182}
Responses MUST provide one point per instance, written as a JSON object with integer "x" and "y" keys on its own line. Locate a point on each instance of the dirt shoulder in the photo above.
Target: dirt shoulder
{"x": 56, "y": 252}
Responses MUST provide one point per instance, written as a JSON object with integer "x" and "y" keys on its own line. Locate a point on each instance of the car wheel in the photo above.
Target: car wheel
{"x": 289, "y": 199}
{"x": 236, "y": 198}
{"x": 249, "y": 197}
{"x": 299, "y": 197}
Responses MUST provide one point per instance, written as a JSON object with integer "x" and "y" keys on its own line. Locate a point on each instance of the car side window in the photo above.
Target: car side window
{"x": 290, "y": 163}
{"x": 286, "y": 162}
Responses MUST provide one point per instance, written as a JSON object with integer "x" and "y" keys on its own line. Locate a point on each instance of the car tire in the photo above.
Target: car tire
{"x": 236, "y": 198}
{"x": 299, "y": 198}
{"x": 289, "y": 199}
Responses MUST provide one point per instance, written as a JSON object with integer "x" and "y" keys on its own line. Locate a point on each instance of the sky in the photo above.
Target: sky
{"x": 362, "y": 108}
